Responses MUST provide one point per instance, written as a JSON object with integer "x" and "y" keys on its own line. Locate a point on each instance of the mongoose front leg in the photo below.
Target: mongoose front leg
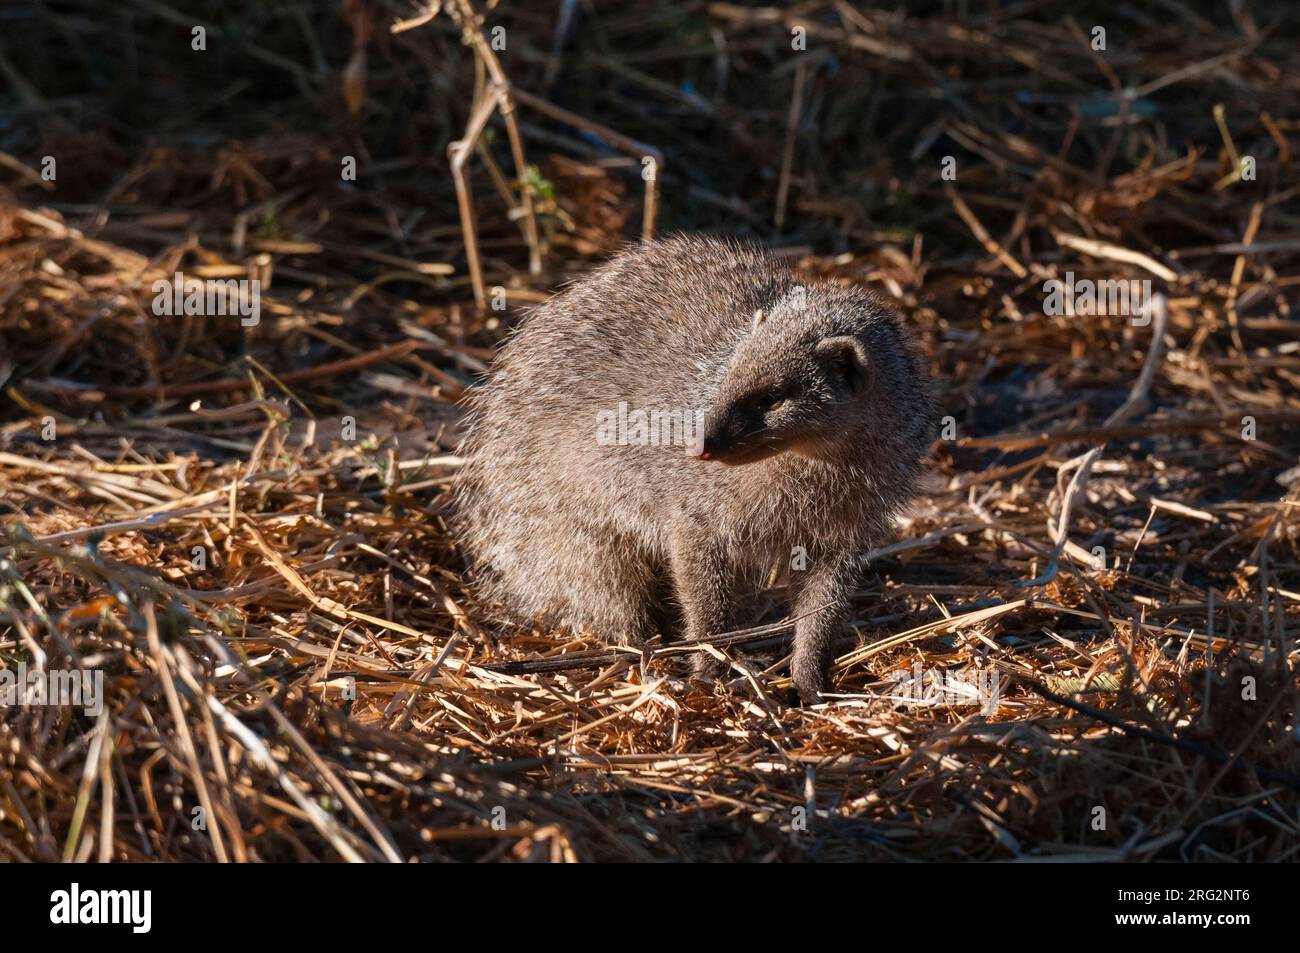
{"x": 702, "y": 582}
{"x": 820, "y": 608}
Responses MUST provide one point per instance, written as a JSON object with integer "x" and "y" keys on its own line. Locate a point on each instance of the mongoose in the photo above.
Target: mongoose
{"x": 679, "y": 422}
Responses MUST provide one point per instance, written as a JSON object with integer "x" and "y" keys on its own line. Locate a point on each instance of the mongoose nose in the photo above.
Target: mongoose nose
{"x": 708, "y": 449}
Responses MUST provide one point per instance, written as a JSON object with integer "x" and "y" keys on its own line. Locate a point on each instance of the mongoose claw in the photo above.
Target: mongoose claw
{"x": 810, "y": 696}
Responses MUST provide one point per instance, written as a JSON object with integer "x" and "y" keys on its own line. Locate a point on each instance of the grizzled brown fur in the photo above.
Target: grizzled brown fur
{"x": 817, "y": 410}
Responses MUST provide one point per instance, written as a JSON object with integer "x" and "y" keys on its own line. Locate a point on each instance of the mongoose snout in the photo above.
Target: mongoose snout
{"x": 671, "y": 428}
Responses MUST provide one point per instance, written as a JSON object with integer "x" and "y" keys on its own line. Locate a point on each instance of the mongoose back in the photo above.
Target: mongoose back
{"x": 674, "y": 425}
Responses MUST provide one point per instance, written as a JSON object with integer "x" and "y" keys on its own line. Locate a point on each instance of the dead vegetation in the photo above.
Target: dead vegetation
{"x": 243, "y": 527}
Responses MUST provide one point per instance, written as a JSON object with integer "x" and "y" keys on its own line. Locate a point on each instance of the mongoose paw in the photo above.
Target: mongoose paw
{"x": 706, "y": 668}
{"x": 808, "y": 682}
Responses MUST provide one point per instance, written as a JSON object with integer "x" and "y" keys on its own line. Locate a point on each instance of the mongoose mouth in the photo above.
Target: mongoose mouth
{"x": 738, "y": 456}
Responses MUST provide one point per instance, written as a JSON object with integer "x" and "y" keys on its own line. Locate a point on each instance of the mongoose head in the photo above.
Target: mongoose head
{"x": 824, "y": 373}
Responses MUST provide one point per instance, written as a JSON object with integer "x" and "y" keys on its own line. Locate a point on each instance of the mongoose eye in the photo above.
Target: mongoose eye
{"x": 770, "y": 402}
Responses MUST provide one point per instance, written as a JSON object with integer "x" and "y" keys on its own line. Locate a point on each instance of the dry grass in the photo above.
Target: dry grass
{"x": 327, "y": 565}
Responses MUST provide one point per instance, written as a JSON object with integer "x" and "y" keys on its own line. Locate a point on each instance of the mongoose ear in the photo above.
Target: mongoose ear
{"x": 759, "y": 318}
{"x": 847, "y": 357}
